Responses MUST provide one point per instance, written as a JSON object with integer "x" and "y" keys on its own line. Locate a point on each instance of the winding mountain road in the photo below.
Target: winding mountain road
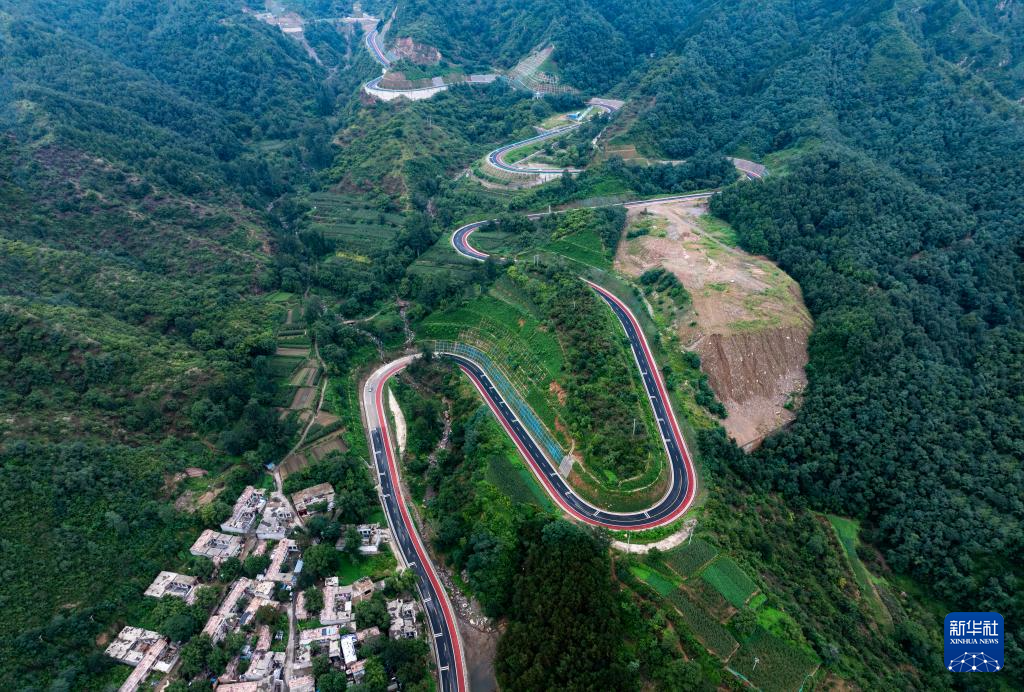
{"x": 442, "y": 628}
{"x": 497, "y": 157}
{"x": 443, "y": 632}
{"x": 460, "y": 236}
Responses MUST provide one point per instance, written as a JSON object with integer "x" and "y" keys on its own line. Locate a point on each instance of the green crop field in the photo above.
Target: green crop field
{"x": 656, "y": 580}
{"x": 731, "y": 581}
{"x": 690, "y": 557}
{"x": 780, "y": 665}
{"x": 709, "y": 631}
{"x": 283, "y": 366}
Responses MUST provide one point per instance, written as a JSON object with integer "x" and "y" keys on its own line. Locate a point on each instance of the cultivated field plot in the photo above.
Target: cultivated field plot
{"x": 322, "y": 449}
{"x": 584, "y": 247}
{"x": 284, "y": 366}
{"x": 706, "y": 628}
{"x": 780, "y": 665}
{"x": 353, "y": 221}
{"x": 731, "y": 581}
{"x": 689, "y": 558}
{"x": 441, "y": 258}
{"x": 304, "y": 397}
{"x": 656, "y": 580}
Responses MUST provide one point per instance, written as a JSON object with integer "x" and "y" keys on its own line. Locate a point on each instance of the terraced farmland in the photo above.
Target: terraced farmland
{"x": 504, "y": 325}
{"x": 771, "y": 663}
{"x": 354, "y": 222}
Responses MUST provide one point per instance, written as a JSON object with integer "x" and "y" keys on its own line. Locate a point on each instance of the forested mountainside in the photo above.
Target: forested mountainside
{"x": 900, "y": 217}
{"x": 141, "y": 142}
{"x": 170, "y": 171}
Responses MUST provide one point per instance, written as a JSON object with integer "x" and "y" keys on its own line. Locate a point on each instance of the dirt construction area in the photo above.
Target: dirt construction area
{"x": 748, "y": 321}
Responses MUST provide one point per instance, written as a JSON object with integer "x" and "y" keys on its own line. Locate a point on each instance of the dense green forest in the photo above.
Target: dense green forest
{"x": 169, "y": 169}
{"x": 902, "y": 225}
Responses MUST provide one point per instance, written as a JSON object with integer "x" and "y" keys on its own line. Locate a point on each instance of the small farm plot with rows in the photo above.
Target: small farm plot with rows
{"x": 711, "y": 633}
{"x": 690, "y": 557}
{"x": 730, "y": 581}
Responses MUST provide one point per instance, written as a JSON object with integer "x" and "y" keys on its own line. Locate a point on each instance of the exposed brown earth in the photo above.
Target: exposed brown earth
{"x": 748, "y": 321}
{"x": 303, "y": 397}
{"x": 322, "y": 449}
{"x": 417, "y": 53}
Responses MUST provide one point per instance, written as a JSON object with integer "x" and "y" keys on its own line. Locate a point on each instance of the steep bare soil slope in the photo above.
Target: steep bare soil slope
{"x": 748, "y": 321}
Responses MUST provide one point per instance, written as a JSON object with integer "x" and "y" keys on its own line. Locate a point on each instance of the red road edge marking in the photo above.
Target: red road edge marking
{"x": 691, "y": 486}
{"x": 543, "y": 478}
{"x": 420, "y": 550}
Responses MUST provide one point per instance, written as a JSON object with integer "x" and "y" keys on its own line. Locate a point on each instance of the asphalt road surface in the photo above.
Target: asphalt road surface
{"x": 442, "y": 630}
{"x": 460, "y": 238}
{"x": 682, "y": 488}
{"x": 373, "y": 45}
{"x": 497, "y": 157}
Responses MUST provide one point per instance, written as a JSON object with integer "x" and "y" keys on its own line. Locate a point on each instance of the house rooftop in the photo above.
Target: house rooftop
{"x": 173, "y": 584}
{"x": 278, "y": 561}
{"x": 278, "y": 519}
{"x": 246, "y": 511}
{"x": 305, "y": 499}
{"x": 144, "y": 650}
{"x": 216, "y": 546}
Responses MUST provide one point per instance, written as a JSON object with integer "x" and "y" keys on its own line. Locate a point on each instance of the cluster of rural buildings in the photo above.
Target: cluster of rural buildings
{"x": 260, "y": 524}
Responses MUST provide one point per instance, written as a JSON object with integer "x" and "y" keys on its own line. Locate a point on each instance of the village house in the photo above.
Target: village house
{"x": 263, "y": 665}
{"x": 239, "y": 607}
{"x": 284, "y": 563}
{"x": 278, "y": 519}
{"x": 224, "y": 619}
{"x": 368, "y": 635}
{"x": 216, "y": 546}
{"x": 313, "y": 499}
{"x": 348, "y": 649}
{"x": 357, "y": 671}
{"x": 371, "y": 536}
{"x": 403, "y": 619}
{"x": 362, "y": 589}
{"x": 303, "y": 683}
{"x": 315, "y": 642}
{"x": 246, "y": 511}
{"x": 173, "y": 584}
{"x": 337, "y": 608}
{"x": 144, "y": 650}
